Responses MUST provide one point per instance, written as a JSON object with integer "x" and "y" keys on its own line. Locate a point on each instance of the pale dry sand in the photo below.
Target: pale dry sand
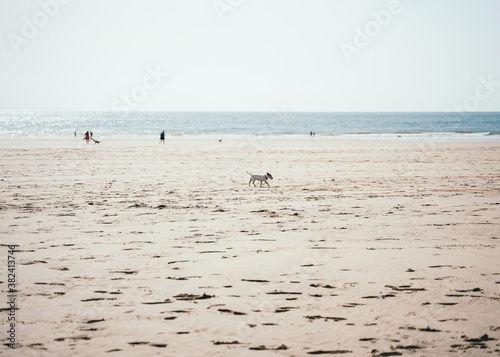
{"x": 361, "y": 248}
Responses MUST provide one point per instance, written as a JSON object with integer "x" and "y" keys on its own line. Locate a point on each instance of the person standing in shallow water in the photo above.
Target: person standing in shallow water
{"x": 87, "y": 137}
{"x": 162, "y": 137}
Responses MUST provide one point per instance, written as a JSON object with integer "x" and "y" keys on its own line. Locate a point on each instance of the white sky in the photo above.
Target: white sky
{"x": 263, "y": 55}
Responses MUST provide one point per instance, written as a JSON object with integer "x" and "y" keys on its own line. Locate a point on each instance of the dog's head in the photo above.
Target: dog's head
{"x": 269, "y": 175}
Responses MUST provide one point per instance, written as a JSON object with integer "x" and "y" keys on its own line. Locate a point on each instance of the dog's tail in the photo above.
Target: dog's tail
{"x": 249, "y": 173}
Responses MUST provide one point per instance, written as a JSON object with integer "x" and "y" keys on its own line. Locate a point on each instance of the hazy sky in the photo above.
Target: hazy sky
{"x": 250, "y": 55}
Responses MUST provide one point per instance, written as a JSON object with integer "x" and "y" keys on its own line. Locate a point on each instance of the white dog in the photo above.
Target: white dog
{"x": 261, "y": 178}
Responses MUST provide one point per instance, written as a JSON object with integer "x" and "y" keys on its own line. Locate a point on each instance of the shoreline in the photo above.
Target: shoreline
{"x": 324, "y": 139}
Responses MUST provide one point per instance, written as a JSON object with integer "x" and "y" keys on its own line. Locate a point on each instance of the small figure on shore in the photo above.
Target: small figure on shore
{"x": 91, "y": 134}
{"x": 311, "y": 133}
{"x": 162, "y": 137}
{"x": 314, "y": 133}
{"x": 86, "y": 137}
{"x": 75, "y": 134}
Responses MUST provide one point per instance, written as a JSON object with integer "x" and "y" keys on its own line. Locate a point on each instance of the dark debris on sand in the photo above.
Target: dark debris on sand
{"x": 193, "y": 297}
{"x": 331, "y": 352}
{"x": 326, "y": 318}
{"x": 264, "y": 348}
{"x": 226, "y": 343}
{"x": 476, "y": 342}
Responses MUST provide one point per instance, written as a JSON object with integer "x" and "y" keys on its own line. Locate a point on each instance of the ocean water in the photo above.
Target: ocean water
{"x": 473, "y": 126}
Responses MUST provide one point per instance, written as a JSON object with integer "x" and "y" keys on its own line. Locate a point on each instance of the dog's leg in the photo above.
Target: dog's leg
{"x": 249, "y": 182}
{"x": 267, "y": 183}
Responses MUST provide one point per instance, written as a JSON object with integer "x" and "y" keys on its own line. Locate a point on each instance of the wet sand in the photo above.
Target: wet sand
{"x": 359, "y": 248}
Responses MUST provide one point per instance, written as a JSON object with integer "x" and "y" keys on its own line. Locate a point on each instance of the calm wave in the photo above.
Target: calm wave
{"x": 111, "y": 124}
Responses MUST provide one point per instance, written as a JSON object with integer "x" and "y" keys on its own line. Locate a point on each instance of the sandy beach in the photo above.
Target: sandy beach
{"x": 358, "y": 248}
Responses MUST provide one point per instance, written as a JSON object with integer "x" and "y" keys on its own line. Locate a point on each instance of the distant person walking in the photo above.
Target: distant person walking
{"x": 162, "y": 137}
{"x": 86, "y": 137}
